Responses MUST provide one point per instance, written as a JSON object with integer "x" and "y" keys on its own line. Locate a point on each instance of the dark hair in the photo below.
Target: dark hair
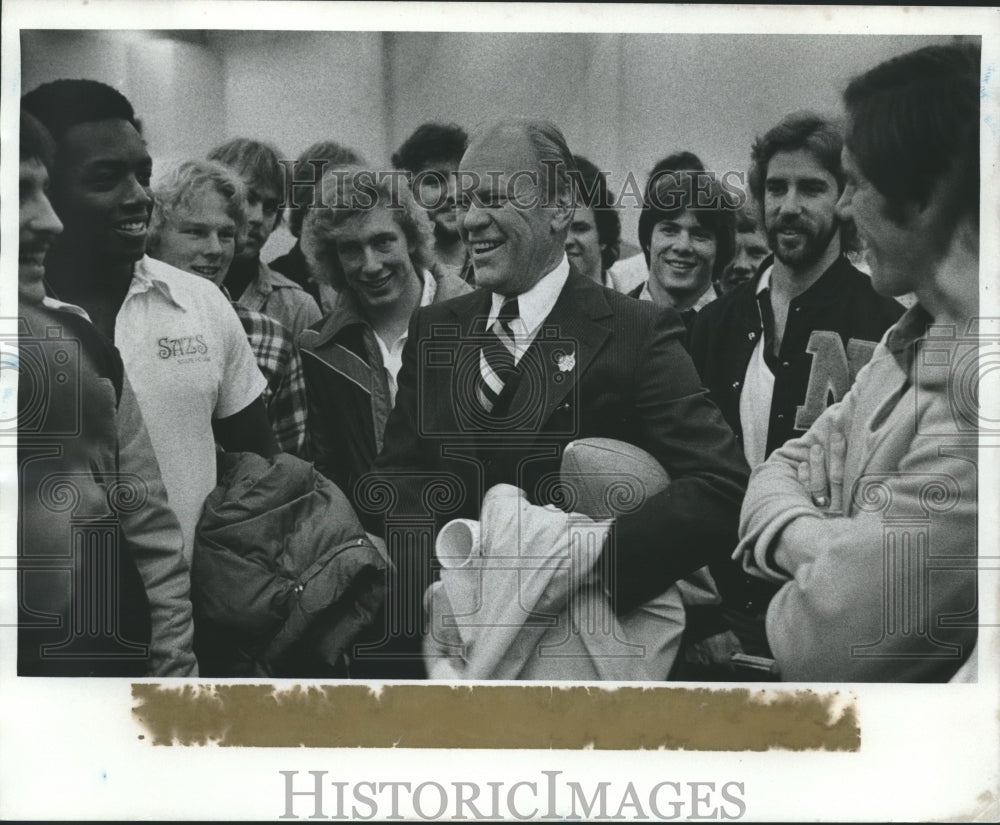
{"x": 914, "y": 118}
{"x": 62, "y": 104}
{"x": 596, "y": 195}
{"x": 36, "y": 142}
{"x": 682, "y": 161}
{"x": 819, "y": 136}
{"x": 256, "y": 162}
{"x": 336, "y": 155}
{"x": 671, "y": 193}
{"x": 431, "y": 142}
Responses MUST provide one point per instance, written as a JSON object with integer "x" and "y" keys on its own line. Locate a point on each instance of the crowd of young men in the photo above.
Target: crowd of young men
{"x": 430, "y": 341}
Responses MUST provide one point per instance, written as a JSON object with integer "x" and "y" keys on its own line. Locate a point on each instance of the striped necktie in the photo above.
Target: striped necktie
{"x": 496, "y": 359}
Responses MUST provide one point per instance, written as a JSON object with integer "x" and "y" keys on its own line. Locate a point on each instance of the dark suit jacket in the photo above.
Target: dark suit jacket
{"x": 602, "y": 365}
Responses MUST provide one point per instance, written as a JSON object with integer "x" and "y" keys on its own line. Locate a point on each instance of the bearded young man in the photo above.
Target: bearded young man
{"x": 777, "y": 350}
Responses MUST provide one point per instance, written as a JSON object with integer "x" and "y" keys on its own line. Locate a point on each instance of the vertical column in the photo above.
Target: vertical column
{"x": 411, "y": 504}
{"x": 907, "y": 627}
{"x": 94, "y": 616}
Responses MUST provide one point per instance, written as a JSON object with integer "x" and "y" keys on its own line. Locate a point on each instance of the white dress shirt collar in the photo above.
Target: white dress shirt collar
{"x": 535, "y": 305}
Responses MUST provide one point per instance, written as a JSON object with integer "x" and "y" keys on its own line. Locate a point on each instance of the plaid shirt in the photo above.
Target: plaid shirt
{"x": 278, "y": 359}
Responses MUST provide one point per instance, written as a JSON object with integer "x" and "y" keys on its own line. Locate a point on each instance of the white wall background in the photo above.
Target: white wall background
{"x": 624, "y": 100}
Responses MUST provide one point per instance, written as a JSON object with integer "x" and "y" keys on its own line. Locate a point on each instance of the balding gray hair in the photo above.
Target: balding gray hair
{"x": 554, "y": 157}
{"x": 555, "y": 161}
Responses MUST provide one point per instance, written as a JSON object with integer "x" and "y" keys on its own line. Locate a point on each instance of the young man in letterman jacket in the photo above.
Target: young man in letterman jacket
{"x": 776, "y": 351}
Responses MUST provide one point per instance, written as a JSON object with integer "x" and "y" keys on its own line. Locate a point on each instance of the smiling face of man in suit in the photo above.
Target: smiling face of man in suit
{"x": 514, "y": 234}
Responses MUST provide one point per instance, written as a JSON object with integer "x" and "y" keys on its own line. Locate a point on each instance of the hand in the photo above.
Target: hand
{"x": 822, "y": 474}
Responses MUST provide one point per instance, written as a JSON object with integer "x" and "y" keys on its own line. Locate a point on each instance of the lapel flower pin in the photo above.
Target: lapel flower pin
{"x": 565, "y": 361}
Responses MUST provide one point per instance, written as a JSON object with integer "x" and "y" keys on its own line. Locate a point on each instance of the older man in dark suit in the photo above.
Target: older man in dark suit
{"x": 496, "y": 383}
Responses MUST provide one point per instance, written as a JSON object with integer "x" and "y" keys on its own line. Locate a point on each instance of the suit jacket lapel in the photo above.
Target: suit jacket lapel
{"x": 471, "y": 312}
{"x": 563, "y": 348}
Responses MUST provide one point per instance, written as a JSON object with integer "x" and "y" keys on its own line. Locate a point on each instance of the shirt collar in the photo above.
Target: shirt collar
{"x": 904, "y": 339}
{"x": 765, "y": 280}
{"x": 429, "y": 291}
{"x": 706, "y": 297}
{"x": 61, "y": 306}
{"x": 263, "y": 279}
{"x": 426, "y": 298}
{"x": 827, "y": 288}
{"x": 148, "y": 274}
{"x": 911, "y": 327}
{"x": 535, "y": 305}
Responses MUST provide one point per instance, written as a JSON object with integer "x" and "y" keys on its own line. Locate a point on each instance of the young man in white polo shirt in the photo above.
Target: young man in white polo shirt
{"x": 90, "y": 434}
{"x": 183, "y": 347}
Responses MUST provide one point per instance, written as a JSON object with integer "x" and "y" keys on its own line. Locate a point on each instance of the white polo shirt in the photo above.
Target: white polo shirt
{"x": 189, "y": 362}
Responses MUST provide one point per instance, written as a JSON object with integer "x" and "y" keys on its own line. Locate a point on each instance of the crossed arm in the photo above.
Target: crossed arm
{"x": 883, "y": 591}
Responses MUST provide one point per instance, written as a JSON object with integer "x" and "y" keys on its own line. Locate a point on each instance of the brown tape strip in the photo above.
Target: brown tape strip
{"x": 484, "y": 716}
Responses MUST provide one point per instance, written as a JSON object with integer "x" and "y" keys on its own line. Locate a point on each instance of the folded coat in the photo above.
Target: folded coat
{"x": 284, "y": 577}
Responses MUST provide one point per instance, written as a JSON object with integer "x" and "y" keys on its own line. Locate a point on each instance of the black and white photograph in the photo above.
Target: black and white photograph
{"x": 499, "y": 411}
